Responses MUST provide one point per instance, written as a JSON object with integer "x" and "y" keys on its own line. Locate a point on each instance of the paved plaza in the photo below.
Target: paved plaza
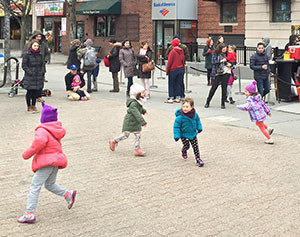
{"x": 246, "y": 188}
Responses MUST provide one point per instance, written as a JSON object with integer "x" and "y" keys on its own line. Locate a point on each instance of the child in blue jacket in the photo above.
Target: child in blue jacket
{"x": 186, "y": 126}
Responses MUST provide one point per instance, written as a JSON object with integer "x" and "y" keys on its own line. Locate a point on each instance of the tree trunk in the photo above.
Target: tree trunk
{"x": 23, "y": 33}
{"x": 7, "y": 43}
{"x": 73, "y": 20}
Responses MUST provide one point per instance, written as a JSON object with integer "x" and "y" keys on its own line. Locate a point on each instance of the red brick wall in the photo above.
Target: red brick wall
{"x": 209, "y": 19}
{"x": 143, "y": 8}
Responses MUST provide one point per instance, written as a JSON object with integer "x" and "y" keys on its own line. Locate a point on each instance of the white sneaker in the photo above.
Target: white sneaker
{"x": 170, "y": 101}
{"x": 269, "y": 141}
{"x": 177, "y": 100}
{"x": 70, "y": 98}
{"x": 270, "y": 130}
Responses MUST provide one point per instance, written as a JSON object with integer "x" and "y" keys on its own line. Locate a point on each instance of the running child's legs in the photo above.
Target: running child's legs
{"x": 122, "y": 137}
{"x": 137, "y": 140}
{"x": 194, "y": 143}
{"x": 263, "y": 128}
{"x": 186, "y": 145}
{"x": 47, "y": 176}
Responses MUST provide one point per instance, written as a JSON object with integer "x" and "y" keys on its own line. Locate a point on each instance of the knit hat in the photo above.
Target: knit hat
{"x": 175, "y": 42}
{"x": 88, "y": 43}
{"x": 176, "y": 37}
{"x": 135, "y": 89}
{"x": 49, "y": 114}
{"x": 251, "y": 87}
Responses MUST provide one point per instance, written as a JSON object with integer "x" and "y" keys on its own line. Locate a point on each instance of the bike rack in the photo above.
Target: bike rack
{"x": 5, "y": 70}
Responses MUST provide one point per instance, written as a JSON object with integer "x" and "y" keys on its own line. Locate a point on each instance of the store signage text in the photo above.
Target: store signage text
{"x": 164, "y": 4}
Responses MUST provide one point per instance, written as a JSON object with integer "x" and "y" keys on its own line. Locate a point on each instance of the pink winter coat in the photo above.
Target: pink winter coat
{"x": 46, "y": 147}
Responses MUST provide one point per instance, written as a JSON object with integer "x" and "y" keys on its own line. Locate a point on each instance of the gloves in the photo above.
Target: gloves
{"x": 208, "y": 51}
{"x": 176, "y": 139}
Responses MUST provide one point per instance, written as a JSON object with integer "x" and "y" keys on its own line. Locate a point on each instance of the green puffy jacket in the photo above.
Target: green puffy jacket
{"x": 134, "y": 120}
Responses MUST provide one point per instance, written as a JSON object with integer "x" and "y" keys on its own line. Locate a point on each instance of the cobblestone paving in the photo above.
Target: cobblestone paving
{"x": 246, "y": 188}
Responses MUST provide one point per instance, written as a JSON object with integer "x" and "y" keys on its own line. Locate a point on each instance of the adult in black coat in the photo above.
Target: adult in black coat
{"x": 73, "y": 57}
{"x": 144, "y": 56}
{"x": 292, "y": 41}
{"x": 34, "y": 68}
{"x": 259, "y": 63}
{"x": 115, "y": 65}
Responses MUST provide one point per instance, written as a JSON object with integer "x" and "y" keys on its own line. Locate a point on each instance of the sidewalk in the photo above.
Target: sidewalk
{"x": 246, "y": 188}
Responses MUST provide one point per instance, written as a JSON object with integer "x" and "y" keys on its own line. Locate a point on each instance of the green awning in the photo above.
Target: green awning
{"x": 100, "y": 7}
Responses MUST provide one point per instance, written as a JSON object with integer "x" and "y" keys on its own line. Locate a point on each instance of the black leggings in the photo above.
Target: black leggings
{"x": 186, "y": 145}
{"x": 31, "y": 96}
{"x": 223, "y": 79}
{"x": 208, "y": 74}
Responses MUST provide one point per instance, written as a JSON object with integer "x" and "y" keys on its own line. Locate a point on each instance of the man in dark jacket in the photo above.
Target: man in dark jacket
{"x": 259, "y": 63}
{"x": 292, "y": 41}
{"x": 115, "y": 65}
{"x": 73, "y": 57}
{"x": 182, "y": 46}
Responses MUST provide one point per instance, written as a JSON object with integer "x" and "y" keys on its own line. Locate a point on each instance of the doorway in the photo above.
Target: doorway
{"x": 57, "y": 35}
{"x": 164, "y": 32}
{"x": 80, "y": 30}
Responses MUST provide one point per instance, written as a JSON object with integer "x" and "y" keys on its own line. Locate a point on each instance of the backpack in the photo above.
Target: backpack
{"x": 89, "y": 58}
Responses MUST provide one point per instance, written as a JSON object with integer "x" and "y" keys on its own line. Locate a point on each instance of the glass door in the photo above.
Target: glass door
{"x": 80, "y": 30}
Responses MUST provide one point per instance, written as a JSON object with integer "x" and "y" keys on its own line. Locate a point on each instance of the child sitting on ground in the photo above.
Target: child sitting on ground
{"x": 76, "y": 83}
{"x": 133, "y": 120}
{"x": 186, "y": 127}
{"x": 48, "y": 158}
{"x": 257, "y": 110}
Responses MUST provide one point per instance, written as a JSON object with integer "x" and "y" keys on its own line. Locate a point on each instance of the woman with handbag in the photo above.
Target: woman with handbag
{"x": 128, "y": 60}
{"x": 145, "y": 66}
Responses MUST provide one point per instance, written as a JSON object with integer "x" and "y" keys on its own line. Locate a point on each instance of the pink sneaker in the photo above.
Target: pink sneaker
{"x": 112, "y": 145}
{"x": 84, "y": 99}
{"x": 139, "y": 152}
{"x": 27, "y": 218}
{"x": 71, "y": 198}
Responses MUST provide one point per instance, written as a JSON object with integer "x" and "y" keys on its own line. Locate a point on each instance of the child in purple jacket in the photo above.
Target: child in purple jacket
{"x": 257, "y": 110}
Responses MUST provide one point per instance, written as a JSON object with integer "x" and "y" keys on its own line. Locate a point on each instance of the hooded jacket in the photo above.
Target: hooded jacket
{"x": 73, "y": 58}
{"x": 268, "y": 48}
{"x": 45, "y": 51}
{"x": 256, "y": 107}
{"x": 175, "y": 60}
{"x": 134, "y": 120}
{"x": 114, "y": 58}
{"x": 46, "y": 146}
{"x": 257, "y": 60}
{"x": 185, "y": 126}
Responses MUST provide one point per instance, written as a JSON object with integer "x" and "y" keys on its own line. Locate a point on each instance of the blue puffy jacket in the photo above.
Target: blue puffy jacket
{"x": 186, "y": 127}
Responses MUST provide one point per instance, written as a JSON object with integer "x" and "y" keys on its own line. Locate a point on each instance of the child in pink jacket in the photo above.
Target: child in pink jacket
{"x": 48, "y": 157}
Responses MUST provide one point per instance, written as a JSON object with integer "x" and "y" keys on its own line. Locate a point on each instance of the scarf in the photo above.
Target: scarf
{"x": 190, "y": 114}
{"x": 35, "y": 52}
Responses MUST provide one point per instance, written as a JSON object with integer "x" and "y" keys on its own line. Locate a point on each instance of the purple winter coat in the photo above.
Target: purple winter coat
{"x": 256, "y": 107}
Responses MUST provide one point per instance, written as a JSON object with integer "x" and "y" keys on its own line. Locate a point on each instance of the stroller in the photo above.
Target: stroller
{"x": 17, "y": 83}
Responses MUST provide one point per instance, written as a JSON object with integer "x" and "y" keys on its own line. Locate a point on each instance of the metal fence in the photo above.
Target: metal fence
{"x": 243, "y": 53}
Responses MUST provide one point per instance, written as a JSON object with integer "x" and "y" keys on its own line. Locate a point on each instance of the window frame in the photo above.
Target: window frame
{"x": 221, "y": 11}
{"x": 107, "y": 30}
{"x": 274, "y": 11}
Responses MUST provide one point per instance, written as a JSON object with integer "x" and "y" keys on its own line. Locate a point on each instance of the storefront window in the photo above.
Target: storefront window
{"x": 228, "y": 11}
{"x": 105, "y": 26}
{"x": 48, "y": 24}
{"x": 188, "y": 31}
{"x": 281, "y": 10}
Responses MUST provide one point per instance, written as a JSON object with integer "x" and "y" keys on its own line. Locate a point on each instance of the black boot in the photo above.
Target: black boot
{"x": 207, "y": 104}
{"x": 222, "y": 106}
{"x": 231, "y": 100}
{"x": 227, "y": 100}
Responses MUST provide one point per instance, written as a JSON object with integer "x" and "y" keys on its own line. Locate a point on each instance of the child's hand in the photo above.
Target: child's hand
{"x": 145, "y": 125}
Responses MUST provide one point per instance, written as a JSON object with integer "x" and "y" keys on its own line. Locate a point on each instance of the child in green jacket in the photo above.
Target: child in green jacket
{"x": 133, "y": 120}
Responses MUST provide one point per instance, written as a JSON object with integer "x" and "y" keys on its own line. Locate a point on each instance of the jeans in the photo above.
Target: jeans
{"x": 263, "y": 86}
{"x": 215, "y": 83}
{"x": 175, "y": 84}
{"x": 89, "y": 80}
{"x": 129, "y": 84}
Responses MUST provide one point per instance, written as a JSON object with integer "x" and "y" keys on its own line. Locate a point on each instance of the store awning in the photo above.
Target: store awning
{"x": 100, "y": 7}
